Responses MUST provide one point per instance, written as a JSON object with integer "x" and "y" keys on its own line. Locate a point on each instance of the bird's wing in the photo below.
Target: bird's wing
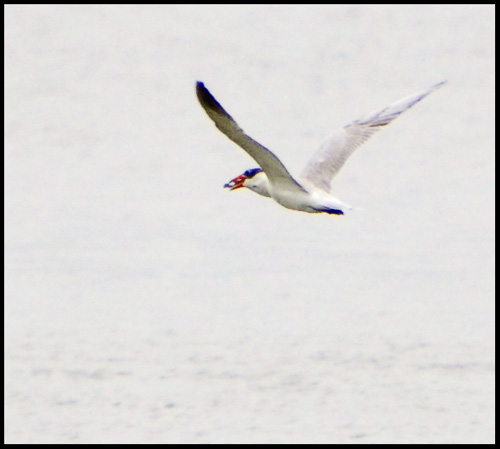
{"x": 272, "y": 166}
{"x": 331, "y": 156}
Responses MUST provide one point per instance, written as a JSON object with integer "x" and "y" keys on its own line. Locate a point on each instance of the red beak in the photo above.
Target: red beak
{"x": 236, "y": 183}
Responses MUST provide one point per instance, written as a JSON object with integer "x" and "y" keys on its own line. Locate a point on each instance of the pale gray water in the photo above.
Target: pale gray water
{"x": 146, "y": 304}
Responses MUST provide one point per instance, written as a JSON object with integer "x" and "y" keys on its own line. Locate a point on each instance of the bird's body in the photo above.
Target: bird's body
{"x": 308, "y": 199}
{"x": 310, "y": 192}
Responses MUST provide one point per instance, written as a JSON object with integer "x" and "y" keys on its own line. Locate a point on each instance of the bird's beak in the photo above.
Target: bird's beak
{"x": 236, "y": 183}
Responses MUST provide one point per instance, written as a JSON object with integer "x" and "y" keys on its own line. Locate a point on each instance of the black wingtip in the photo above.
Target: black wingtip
{"x": 201, "y": 90}
{"x": 207, "y": 100}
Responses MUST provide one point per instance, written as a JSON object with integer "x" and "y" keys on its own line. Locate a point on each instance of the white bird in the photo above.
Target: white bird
{"x": 310, "y": 192}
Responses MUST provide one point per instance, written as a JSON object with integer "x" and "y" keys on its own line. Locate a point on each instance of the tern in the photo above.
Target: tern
{"x": 310, "y": 192}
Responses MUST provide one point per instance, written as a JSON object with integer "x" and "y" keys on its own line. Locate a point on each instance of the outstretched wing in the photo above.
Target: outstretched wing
{"x": 331, "y": 156}
{"x": 272, "y": 166}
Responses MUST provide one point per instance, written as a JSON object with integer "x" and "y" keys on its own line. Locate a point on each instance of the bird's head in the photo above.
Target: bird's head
{"x": 254, "y": 179}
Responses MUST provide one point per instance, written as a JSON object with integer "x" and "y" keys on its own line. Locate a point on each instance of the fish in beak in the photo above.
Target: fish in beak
{"x": 236, "y": 183}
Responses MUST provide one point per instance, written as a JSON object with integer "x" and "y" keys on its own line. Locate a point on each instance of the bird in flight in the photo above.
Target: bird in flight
{"x": 311, "y": 191}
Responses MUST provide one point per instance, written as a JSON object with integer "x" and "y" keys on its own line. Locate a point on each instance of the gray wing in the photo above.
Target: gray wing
{"x": 272, "y": 166}
{"x": 332, "y": 155}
